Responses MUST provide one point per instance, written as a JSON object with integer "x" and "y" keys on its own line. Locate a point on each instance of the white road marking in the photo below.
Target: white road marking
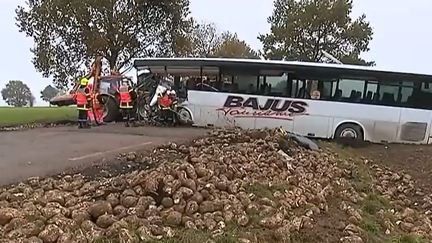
{"x": 108, "y": 151}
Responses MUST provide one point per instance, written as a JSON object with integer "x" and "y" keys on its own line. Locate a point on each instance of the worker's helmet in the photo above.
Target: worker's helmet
{"x": 84, "y": 81}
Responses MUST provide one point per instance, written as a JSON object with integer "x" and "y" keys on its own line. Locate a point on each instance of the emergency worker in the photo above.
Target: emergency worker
{"x": 98, "y": 108}
{"x": 165, "y": 100}
{"x": 82, "y": 98}
{"x": 95, "y": 112}
{"x": 164, "y": 103}
{"x": 126, "y": 106}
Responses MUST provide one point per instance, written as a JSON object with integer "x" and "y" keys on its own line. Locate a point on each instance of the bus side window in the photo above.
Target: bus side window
{"x": 424, "y": 96}
{"x": 338, "y": 95}
{"x": 389, "y": 93}
{"x": 303, "y": 94}
{"x": 376, "y": 98}
{"x": 352, "y": 90}
{"x": 226, "y": 82}
{"x": 369, "y": 96}
{"x": 406, "y": 93}
{"x": 299, "y": 89}
{"x": 245, "y": 84}
{"x": 327, "y": 88}
{"x": 294, "y": 87}
{"x": 277, "y": 85}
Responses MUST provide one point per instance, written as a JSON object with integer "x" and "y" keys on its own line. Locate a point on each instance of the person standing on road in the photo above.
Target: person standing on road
{"x": 126, "y": 106}
{"x": 82, "y": 98}
{"x": 95, "y": 112}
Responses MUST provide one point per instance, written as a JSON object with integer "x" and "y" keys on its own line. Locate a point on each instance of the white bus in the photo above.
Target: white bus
{"x": 310, "y": 99}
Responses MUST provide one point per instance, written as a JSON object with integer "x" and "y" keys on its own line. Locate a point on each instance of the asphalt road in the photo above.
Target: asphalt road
{"x": 49, "y": 151}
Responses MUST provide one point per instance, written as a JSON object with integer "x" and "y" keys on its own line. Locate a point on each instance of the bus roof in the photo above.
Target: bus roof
{"x": 310, "y": 68}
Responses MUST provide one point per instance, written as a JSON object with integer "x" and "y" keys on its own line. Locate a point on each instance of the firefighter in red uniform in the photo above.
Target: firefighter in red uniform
{"x": 95, "y": 113}
{"x": 126, "y": 105}
{"x": 164, "y": 102}
{"x": 82, "y": 98}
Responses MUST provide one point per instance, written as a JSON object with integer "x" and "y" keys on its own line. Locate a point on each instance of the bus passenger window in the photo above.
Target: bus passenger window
{"x": 327, "y": 89}
{"x": 369, "y": 96}
{"x": 226, "y": 83}
{"x": 246, "y": 84}
{"x": 388, "y": 93}
{"x": 423, "y": 96}
{"x": 371, "y": 92}
{"x": 426, "y": 87}
{"x": 376, "y": 98}
{"x": 388, "y": 99}
{"x": 407, "y": 91}
{"x": 338, "y": 95}
{"x": 303, "y": 94}
{"x": 352, "y": 90}
{"x": 277, "y": 85}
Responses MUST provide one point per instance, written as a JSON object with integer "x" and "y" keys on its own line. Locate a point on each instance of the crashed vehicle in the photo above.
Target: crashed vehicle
{"x": 151, "y": 90}
{"x": 109, "y": 97}
{"x": 145, "y": 95}
{"x": 102, "y": 87}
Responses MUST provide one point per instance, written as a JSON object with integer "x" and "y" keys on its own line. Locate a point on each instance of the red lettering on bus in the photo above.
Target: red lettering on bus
{"x": 237, "y": 106}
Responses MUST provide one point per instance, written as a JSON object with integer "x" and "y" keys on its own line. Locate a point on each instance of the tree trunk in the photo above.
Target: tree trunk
{"x": 112, "y": 60}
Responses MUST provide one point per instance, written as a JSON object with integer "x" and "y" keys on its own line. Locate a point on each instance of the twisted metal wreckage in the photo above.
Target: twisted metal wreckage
{"x": 147, "y": 95}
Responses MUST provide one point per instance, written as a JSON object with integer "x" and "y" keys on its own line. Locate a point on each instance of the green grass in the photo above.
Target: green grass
{"x": 265, "y": 191}
{"x": 374, "y": 203}
{"x": 407, "y": 238}
{"x": 22, "y": 116}
{"x": 370, "y": 225}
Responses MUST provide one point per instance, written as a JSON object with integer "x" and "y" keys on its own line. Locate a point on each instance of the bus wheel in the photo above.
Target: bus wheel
{"x": 349, "y": 131}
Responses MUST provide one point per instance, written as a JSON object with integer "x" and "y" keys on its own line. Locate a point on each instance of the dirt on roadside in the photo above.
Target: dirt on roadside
{"x": 415, "y": 160}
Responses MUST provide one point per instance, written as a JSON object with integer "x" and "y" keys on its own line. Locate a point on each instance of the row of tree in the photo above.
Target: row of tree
{"x": 18, "y": 94}
{"x": 68, "y": 34}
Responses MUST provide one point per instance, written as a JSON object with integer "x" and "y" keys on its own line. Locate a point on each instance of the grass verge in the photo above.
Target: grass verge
{"x": 407, "y": 238}
{"x": 22, "y": 116}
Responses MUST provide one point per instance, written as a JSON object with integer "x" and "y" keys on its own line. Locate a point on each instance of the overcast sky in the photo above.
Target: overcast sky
{"x": 402, "y": 39}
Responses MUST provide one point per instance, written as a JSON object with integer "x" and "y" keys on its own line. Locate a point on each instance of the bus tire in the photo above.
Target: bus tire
{"x": 349, "y": 131}
{"x": 111, "y": 110}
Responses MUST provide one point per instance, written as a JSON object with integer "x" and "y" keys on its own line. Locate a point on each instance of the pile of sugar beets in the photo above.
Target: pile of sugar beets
{"x": 253, "y": 181}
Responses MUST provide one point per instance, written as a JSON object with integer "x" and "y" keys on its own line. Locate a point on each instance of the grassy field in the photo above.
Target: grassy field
{"x": 18, "y": 116}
